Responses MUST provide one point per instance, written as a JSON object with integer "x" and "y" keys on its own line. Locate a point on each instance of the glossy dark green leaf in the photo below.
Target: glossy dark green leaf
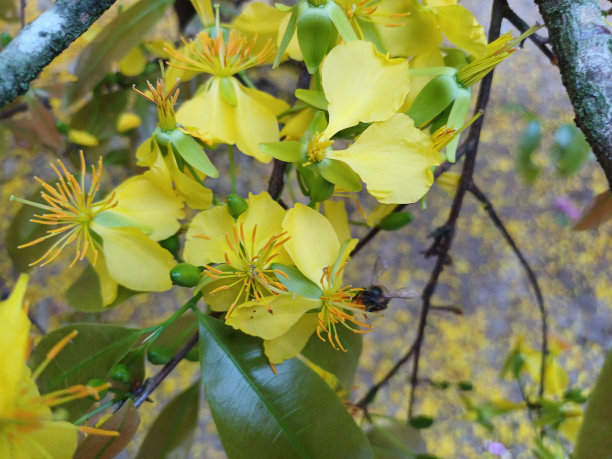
{"x": 528, "y": 144}
{"x": 341, "y": 364}
{"x": 391, "y": 438}
{"x": 92, "y": 354}
{"x": 296, "y": 282}
{"x": 289, "y": 414}
{"x": 570, "y": 149}
{"x": 85, "y": 293}
{"x": 176, "y": 335}
{"x": 192, "y": 152}
{"x": 21, "y": 230}
{"x": 594, "y": 439}
{"x": 172, "y": 433}
{"x": 117, "y": 38}
{"x": 125, "y": 421}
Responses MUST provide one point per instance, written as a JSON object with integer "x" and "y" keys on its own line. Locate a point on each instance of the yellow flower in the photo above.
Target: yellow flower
{"x": 28, "y": 429}
{"x": 242, "y": 249}
{"x": 189, "y": 176}
{"x": 117, "y": 234}
{"x": 391, "y": 156}
{"x": 223, "y": 107}
{"x": 423, "y": 26}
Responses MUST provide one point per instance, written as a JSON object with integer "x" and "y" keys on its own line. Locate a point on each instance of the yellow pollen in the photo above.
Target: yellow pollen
{"x": 219, "y": 57}
{"x": 317, "y": 147}
{"x": 70, "y": 211}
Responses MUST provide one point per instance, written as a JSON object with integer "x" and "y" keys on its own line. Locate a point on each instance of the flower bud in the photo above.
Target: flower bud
{"x": 395, "y": 221}
{"x": 120, "y": 373}
{"x": 185, "y": 275}
{"x": 236, "y": 205}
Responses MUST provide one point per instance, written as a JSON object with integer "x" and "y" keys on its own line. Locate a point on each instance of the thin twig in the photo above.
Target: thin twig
{"x": 277, "y": 179}
{"x": 533, "y": 280}
{"x": 520, "y": 24}
{"x": 443, "y": 241}
{"x": 156, "y": 380}
{"x": 373, "y": 391}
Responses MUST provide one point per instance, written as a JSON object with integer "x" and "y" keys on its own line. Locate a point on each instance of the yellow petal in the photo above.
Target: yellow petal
{"x": 419, "y": 33}
{"x": 381, "y": 211}
{"x": 314, "y": 244}
{"x": 127, "y": 122}
{"x": 108, "y": 285}
{"x": 253, "y": 317}
{"x": 214, "y": 224}
{"x": 362, "y": 84}
{"x": 394, "y": 159}
{"x": 147, "y": 153}
{"x": 461, "y": 27}
{"x": 195, "y": 194}
{"x": 449, "y": 181}
{"x": 291, "y": 343}
{"x": 556, "y": 379}
{"x": 274, "y": 105}
{"x": 296, "y": 125}
{"x": 261, "y": 20}
{"x": 53, "y": 439}
{"x": 83, "y": 138}
{"x": 429, "y": 58}
{"x": 143, "y": 201}
{"x": 268, "y": 215}
{"x": 133, "y": 63}
{"x": 13, "y": 344}
{"x": 134, "y": 260}
{"x": 293, "y": 50}
{"x": 336, "y": 214}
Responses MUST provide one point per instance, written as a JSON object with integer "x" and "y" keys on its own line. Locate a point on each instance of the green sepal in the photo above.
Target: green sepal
{"x": 455, "y": 58}
{"x": 290, "y": 151}
{"x": 318, "y": 188}
{"x": 456, "y": 118}
{"x": 297, "y": 282}
{"x": 438, "y": 94}
{"x": 338, "y": 17}
{"x": 111, "y": 219}
{"x": 395, "y": 221}
{"x": 339, "y": 173}
{"x": 282, "y": 7}
{"x": 318, "y": 124}
{"x": 313, "y": 98}
{"x": 191, "y": 151}
{"x": 314, "y": 29}
{"x": 228, "y": 93}
{"x": 289, "y": 31}
{"x": 162, "y": 138}
{"x": 236, "y": 205}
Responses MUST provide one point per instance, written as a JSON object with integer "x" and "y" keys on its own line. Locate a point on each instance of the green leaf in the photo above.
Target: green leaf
{"x": 392, "y": 438}
{"x": 594, "y": 439}
{"x": 172, "y": 432}
{"x": 177, "y": 334}
{"x": 99, "y": 115}
{"x": 289, "y": 414}
{"x": 289, "y": 31}
{"x": 290, "y": 151}
{"x": 191, "y": 151}
{"x": 115, "y": 41}
{"x": 296, "y": 282}
{"x": 438, "y": 94}
{"x": 125, "y": 421}
{"x": 570, "y": 149}
{"x": 529, "y": 142}
{"x": 92, "y": 353}
{"x": 395, "y": 221}
{"x": 339, "y": 173}
{"x": 421, "y": 422}
{"x": 313, "y": 98}
{"x": 85, "y": 293}
{"x": 456, "y": 119}
{"x": 341, "y": 364}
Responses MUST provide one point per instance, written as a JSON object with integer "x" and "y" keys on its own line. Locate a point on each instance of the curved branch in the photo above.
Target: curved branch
{"x": 583, "y": 44}
{"x": 42, "y": 40}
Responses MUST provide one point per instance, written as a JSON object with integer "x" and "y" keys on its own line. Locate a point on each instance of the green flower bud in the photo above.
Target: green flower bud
{"x": 171, "y": 244}
{"x": 395, "y": 221}
{"x": 236, "y": 205}
{"x": 186, "y": 274}
{"x": 121, "y": 373}
{"x": 314, "y": 31}
{"x": 62, "y": 127}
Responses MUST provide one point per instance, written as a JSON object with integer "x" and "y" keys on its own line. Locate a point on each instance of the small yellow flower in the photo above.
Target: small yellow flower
{"x": 117, "y": 233}
{"x": 229, "y": 111}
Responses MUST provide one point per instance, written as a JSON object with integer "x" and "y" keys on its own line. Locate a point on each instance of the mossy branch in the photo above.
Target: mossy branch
{"x": 582, "y": 42}
{"x": 42, "y": 40}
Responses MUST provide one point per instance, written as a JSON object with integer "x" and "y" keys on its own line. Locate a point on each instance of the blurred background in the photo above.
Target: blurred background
{"x": 533, "y": 166}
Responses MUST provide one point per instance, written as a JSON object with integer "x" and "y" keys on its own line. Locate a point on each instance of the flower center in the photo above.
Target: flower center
{"x": 249, "y": 266}
{"x": 70, "y": 212}
{"x": 165, "y": 102}
{"x": 337, "y": 306}
{"x": 367, "y": 10}
{"x": 317, "y": 148}
{"x": 219, "y": 57}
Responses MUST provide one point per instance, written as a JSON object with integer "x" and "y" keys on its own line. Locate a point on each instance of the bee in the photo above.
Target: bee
{"x": 376, "y": 297}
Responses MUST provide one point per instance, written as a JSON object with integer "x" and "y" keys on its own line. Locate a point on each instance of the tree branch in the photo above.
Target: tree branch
{"x": 583, "y": 44}
{"x": 442, "y": 244}
{"x": 488, "y": 207}
{"x": 42, "y": 40}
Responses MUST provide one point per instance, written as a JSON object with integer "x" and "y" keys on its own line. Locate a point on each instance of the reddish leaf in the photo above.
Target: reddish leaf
{"x": 597, "y": 213}
{"x": 43, "y": 123}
